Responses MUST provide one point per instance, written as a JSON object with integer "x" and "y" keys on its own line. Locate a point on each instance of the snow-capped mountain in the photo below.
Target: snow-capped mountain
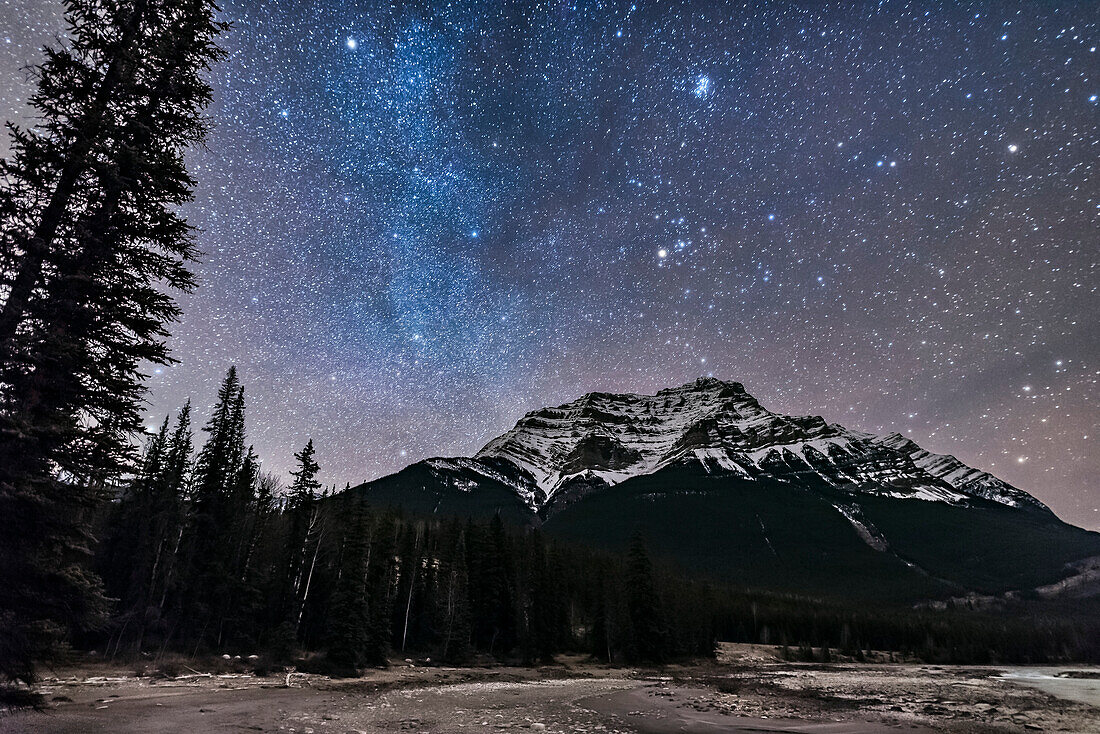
{"x": 726, "y": 488}
{"x": 603, "y": 439}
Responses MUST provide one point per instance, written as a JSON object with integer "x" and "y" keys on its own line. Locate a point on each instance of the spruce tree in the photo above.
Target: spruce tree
{"x": 456, "y": 603}
{"x": 649, "y": 635}
{"x": 170, "y": 523}
{"x": 241, "y": 513}
{"x": 91, "y": 250}
{"x": 208, "y": 550}
{"x": 264, "y": 547}
{"x": 138, "y": 553}
{"x": 349, "y": 610}
{"x": 305, "y": 485}
{"x": 127, "y": 549}
{"x": 303, "y": 541}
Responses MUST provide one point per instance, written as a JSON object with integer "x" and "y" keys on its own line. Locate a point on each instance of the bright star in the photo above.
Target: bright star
{"x": 352, "y": 43}
{"x": 1013, "y": 148}
{"x": 662, "y": 253}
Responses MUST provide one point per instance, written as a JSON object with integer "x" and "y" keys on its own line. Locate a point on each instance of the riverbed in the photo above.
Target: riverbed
{"x": 753, "y": 692}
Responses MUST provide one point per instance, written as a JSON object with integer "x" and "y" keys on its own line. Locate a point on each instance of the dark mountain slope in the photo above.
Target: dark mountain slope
{"x": 422, "y": 489}
{"x": 774, "y": 536}
{"x": 790, "y": 538}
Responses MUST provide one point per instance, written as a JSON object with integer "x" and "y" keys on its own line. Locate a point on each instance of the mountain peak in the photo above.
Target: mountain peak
{"x": 706, "y": 384}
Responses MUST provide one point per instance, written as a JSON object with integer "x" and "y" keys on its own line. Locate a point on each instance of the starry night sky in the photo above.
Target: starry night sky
{"x": 420, "y": 221}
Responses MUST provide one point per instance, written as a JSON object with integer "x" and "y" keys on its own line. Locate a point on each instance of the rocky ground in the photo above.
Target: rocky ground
{"x": 747, "y": 689}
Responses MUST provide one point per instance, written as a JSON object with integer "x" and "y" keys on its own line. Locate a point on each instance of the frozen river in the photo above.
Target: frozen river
{"x": 1060, "y": 683}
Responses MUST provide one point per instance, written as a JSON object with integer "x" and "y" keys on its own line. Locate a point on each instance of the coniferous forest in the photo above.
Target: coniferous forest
{"x": 203, "y": 553}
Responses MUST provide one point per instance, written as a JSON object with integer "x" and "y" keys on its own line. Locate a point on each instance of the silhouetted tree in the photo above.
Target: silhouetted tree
{"x": 216, "y": 514}
{"x": 647, "y": 626}
{"x": 306, "y": 527}
{"x": 91, "y": 250}
{"x": 349, "y": 618}
{"x": 139, "y": 550}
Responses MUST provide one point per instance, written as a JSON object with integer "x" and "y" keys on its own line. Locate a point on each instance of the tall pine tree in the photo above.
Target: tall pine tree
{"x": 649, "y": 635}
{"x": 137, "y": 556}
{"x": 303, "y": 541}
{"x": 91, "y": 248}
{"x": 215, "y": 514}
{"x": 349, "y": 620}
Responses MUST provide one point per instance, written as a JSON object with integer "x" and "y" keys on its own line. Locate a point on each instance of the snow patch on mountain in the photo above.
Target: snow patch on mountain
{"x": 972, "y": 482}
{"x": 467, "y": 475}
{"x": 867, "y": 532}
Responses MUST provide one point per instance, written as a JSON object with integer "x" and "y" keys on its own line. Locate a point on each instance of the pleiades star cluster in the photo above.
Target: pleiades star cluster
{"x": 421, "y": 220}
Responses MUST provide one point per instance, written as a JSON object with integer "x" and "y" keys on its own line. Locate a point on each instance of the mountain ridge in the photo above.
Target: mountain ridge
{"x": 605, "y": 438}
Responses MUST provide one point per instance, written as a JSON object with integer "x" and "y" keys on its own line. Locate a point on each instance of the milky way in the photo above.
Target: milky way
{"x": 420, "y": 222}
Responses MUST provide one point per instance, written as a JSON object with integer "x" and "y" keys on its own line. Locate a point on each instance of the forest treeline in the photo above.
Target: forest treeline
{"x": 204, "y": 553}
{"x": 207, "y": 553}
